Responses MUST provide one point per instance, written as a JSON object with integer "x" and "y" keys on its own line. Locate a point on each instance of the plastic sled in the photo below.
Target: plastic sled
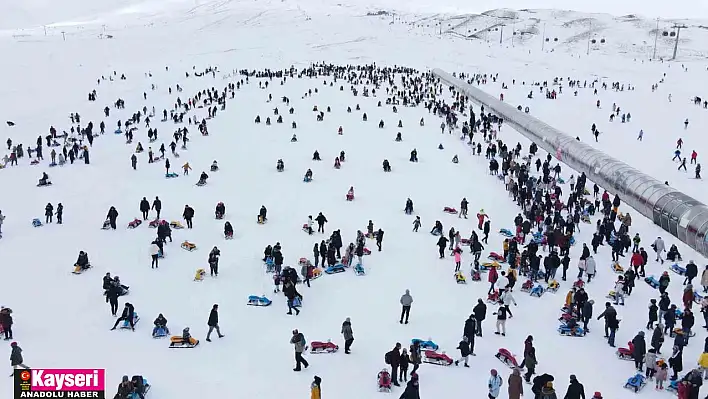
{"x": 255, "y": 300}
{"x": 270, "y": 264}
{"x": 118, "y": 131}
{"x": 367, "y": 251}
{"x": 652, "y": 281}
{"x": 199, "y": 275}
{"x": 450, "y": 210}
{"x": 425, "y": 345}
{"x": 560, "y": 180}
{"x": 79, "y": 270}
{"x": 201, "y": 183}
{"x": 507, "y": 358}
{"x": 493, "y": 297}
{"x": 159, "y": 332}
{"x": 495, "y": 256}
{"x": 53, "y": 164}
{"x": 436, "y": 232}
{"x": 537, "y": 291}
{"x": 350, "y": 197}
{"x": 359, "y": 270}
{"x": 433, "y": 357}
{"x": 611, "y": 295}
{"x": 489, "y": 265}
{"x": 626, "y": 353}
{"x": 317, "y": 347}
{"x": 569, "y": 332}
{"x": 154, "y": 223}
{"x": 316, "y": 273}
{"x": 229, "y": 236}
{"x": 636, "y": 383}
{"x": 679, "y": 330}
{"x": 475, "y": 275}
{"x": 465, "y": 241}
{"x": 261, "y": 220}
{"x": 34, "y": 162}
{"x": 146, "y": 389}
{"x": 678, "y": 269}
{"x": 527, "y": 286}
{"x": 697, "y": 297}
{"x": 135, "y": 223}
{"x": 306, "y": 179}
{"x": 553, "y": 286}
{"x": 188, "y": 246}
{"x": 171, "y": 175}
{"x": 36, "y": 223}
{"x": 384, "y": 380}
{"x": 673, "y": 385}
{"x": 176, "y": 341}
{"x": 506, "y": 233}
{"x": 176, "y": 225}
{"x": 48, "y": 183}
{"x": 617, "y": 268}
{"x": 126, "y": 324}
{"x": 106, "y": 225}
{"x": 460, "y": 278}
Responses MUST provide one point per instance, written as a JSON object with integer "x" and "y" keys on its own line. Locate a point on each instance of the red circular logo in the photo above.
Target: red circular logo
{"x": 25, "y": 376}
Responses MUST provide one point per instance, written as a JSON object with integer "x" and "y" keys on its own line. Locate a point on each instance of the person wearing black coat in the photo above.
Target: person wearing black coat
{"x": 112, "y": 294}
{"x": 6, "y": 322}
{"x": 157, "y": 206}
{"x": 336, "y": 242}
{"x": 379, "y": 238}
{"x": 49, "y": 213}
{"x": 290, "y": 292}
{"x": 640, "y": 349}
{"x": 188, "y": 215}
{"x": 112, "y": 216}
{"x": 213, "y": 322}
{"x": 442, "y": 244}
{"x": 657, "y": 338}
{"x": 144, "y": 208}
{"x": 394, "y": 359}
{"x": 321, "y": 220}
{"x": 587, "y": 314}
{"x": 127, "y": 315}
{"x": 464, "y": 347}
{"x": 539, "y": 382}
{"x": 316, "y": 253}
{"x": 480, "y": 313}
{"x": 412, "y": 389}
{"x": 575, "y": 389}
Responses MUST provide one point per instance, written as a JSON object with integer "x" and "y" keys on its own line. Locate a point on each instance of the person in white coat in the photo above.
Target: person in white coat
{"x": 507, "y": 299}
{"x": 590, "y": 267}
{"x": 308, "y": 225}
{"x": 155, "y": 254}
{"x": 494, "y": 385}
{"x": 2, "y": 219}
{"x": 659, "y": 248}
{"x": 502, "y": 281}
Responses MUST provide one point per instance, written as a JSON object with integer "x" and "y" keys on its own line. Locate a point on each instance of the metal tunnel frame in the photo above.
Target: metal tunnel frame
{"x": 676, "y": 212}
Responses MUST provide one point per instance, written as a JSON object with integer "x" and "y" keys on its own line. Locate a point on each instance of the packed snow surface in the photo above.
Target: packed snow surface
{"x": 62, "y": 320}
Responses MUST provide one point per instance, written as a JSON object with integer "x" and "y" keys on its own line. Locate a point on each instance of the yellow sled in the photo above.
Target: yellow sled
{"x": 261, "y": 220}
{"x": 316, "y": 273}
{"x": 617, "y": 268}
{"x": 188, "y": 246}
{"x": 176, "y": 341}
{"x": 176, "y": 225}
{"x": 199, "y": 275}
{"x": 553, "y": 286}
{"x": 611, "y": 294}
{"x": 460, "y": 278}
{"x": 492, "y": 264}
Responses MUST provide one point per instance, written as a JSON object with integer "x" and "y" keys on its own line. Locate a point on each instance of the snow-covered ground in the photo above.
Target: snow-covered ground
{"x": 62, "y": 320}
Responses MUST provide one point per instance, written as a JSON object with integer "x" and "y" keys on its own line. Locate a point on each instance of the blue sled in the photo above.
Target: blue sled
{"x": 506, "y": 233}
{"x": 636, "y": 382}
{"x": 429, "y": 345}
{"x": 36, "y": 223}
{"x": 171, "y": 175}
{"x": 652, "y": 281}
{"x": 255, "y": 300}
{"x": 359, "y": 270}
{"x": 307, "y": 179}
{"x": 118, "y": 131}
{"x": 537, "y": 291}
{"x": 126, "y": 324}
{"x": 338, "y": 268}
{"x": 681, "y": 271}
{"x": 159, "y": 332}
{"x": 146, "y": 389}
{"x": 567, "y": 331}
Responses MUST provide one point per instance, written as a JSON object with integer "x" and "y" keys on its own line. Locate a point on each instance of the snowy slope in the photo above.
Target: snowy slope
{"x": 61, "y": 319}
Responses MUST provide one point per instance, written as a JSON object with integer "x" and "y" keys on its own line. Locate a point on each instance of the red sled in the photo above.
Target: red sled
{"x": 154, "y": 223}
{"x": 135, "y": 223}
{"x": 323, "y": 347}
{"x": 437, "y": 358}
{"x": 350, "y": 197}
{"x": 507, "y": 358}
{"x": 626, "y": 353}
{"x": 465, "y": 241}
{"x": 495, "y": 256}
{"x": 367, "y": 251}
{"x": 449, "y": 210}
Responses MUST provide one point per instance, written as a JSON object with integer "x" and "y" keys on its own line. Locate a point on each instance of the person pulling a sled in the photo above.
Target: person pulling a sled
{"x": 262, "y": 214}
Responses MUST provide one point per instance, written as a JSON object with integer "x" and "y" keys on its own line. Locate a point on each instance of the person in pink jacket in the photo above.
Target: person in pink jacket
{"x": 458, "y": 258}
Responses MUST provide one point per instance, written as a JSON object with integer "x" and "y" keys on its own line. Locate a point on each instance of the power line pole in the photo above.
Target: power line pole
{"x": 501, "y": 33}
{"x": 543, "y": 38}
{"x": 589, "y": 36}
{"x": 656, "y": 39}
{"x": 678, "y": 33}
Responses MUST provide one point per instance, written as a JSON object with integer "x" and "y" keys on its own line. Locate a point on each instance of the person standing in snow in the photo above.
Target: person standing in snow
{"x": 321, "y": 220}
{"x": 464, "y": 347}
{"x": 144, "y": 208}
{"x": 494, "y": 384}
{"x": 507, "y": 299}
{"x": 157, "y": 206}
{"x": 406, "y": 302}
{"x": 154, "y": 254}
{"x": 213, "y": 322}
{"x": 501, "y": 321}
{"x": 48, "y": 212}
{"x": 348, "y": 335}
{"x": 16, "y": 360}
{"x": 188, "y": 215}
{"x": 393, "y": 358}
{"x": 298, "y": 340}
{"x": 659, "y": 247}
{"x": 379, "y": 238}
{"x": 2, "y": 219}
{"x": 112, "y": 216}
{"x": 315, "y": 388}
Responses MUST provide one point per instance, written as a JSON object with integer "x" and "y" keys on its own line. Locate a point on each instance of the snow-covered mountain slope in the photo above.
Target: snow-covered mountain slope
{"x": 62, "y": 321}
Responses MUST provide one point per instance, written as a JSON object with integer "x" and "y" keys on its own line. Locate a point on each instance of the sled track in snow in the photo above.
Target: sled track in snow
{"x": 684, "y": 217}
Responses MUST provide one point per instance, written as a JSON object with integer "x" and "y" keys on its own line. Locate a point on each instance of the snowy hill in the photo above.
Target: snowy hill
{"x": 62, "y": 320}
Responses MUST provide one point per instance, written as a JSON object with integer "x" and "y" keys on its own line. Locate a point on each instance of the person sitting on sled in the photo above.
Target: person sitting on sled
{"x": 203, "y": 178}
{"x": 280, "y": 165}
{"x": 228, "y": 230}
{"x": 308, "y": 174}
{"x": 125, "y": 389}
{"x": 572, "y": 324}
{"x": 83, "y": 260}
{"x": 350, "y": 193}
{"x": 186, "y": 336}
{"x": 220, "y": 210}
{"x": 45, "y": 178}
{"x": 337, "y": 164}
{"x": 160, "y": 322}
{"x": 214, "y": 166}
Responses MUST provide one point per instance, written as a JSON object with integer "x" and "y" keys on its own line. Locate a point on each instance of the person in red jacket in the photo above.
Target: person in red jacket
{"x": 694, "y": 155}
{"x": 492, "y": 279}
{"x": 480, "y": 218}
{"x": 636, "y": 261}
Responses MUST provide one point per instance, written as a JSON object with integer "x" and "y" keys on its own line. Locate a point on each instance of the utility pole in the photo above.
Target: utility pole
{"x": 656, "y": 38}
{"x": 501, "y": 33}
{"x": 589, "y": 36}
{"x": 678, "y": 33}
{"x": 543, "y": 38}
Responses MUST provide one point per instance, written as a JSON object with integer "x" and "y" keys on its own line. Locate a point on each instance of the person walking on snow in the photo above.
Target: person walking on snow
{"x": 641, "y": 135}
{"x": 494, "y": 385}
{"x": 348, "y": 335}
{"x": 659, "y": 247}
{"x": 315, "y": 388}
{"x": 406, "y": 302}
{"x": 464, "y": 347}
{"x": 298, "y": 340}
{"x": 16, "y": 360}
{"x": 213, "y": 322}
